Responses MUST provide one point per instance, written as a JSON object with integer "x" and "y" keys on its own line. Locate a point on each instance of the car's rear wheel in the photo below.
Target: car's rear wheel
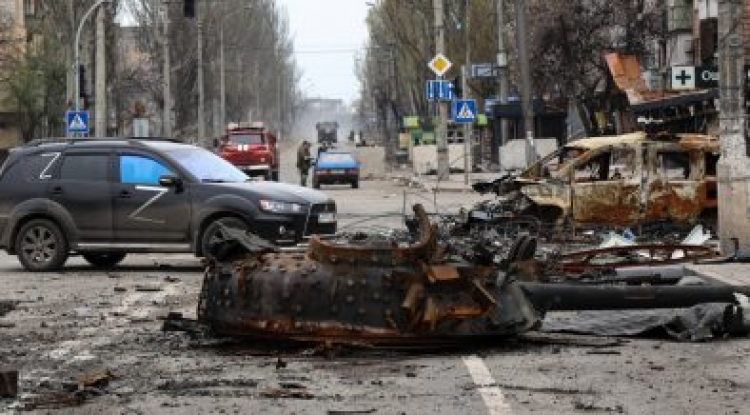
{"x": 103, "y": 259}
{"x": 355, "y": 184}
{"x": 316, "y": 184}
{"x": 214, "y": 233}
{"x": 41, "y": 246}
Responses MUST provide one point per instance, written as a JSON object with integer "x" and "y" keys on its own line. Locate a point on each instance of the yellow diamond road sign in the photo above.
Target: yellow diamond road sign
{"x": 440, "y": 64}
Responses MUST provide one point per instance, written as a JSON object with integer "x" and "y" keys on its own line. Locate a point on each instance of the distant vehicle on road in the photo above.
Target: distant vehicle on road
{"x": 327, "y": 132}
{"x": 104, "y": 198}
{"x": 336, "y": 167}
{"x": 252, "y": 149}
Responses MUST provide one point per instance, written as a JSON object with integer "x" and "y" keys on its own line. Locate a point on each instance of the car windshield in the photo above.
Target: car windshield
{"x": 554, "y": 162}
{"x": 246, "y": 139}
{"x": 336, "y": 158}
{"x": 206, "y": 166}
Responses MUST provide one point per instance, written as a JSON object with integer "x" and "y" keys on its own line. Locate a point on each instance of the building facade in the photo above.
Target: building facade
{"x": 17, "y": 18}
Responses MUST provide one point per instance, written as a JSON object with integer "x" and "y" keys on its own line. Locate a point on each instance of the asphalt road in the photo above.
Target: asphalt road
{"x": 65, "y": 325}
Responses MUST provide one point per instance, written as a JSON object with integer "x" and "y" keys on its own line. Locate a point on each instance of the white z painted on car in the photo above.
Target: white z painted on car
{"x": 160, "y": 191}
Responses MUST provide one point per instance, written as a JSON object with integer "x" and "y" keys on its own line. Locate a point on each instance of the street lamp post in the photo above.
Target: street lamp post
{"x": 76, "y": 59}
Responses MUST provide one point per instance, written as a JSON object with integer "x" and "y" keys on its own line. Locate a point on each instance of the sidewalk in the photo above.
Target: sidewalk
{"x": 456, "y": 183}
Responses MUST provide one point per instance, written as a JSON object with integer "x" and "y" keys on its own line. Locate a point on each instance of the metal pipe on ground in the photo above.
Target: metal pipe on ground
{"x": 565, "y": 297}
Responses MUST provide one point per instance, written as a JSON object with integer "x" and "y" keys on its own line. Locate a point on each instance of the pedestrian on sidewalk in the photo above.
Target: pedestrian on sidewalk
{"x": 304, "y": 161}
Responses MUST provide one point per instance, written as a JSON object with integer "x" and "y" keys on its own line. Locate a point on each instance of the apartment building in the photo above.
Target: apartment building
{"x": 17, "y": 18}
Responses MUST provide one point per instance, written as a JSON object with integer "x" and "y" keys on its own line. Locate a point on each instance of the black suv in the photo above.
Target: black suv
{"x": 105, "y": 197}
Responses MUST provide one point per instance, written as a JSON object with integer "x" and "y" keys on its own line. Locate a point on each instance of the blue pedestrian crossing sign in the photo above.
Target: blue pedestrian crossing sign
{"x": 77, "y": 122}
{"x": 464, "y": 111}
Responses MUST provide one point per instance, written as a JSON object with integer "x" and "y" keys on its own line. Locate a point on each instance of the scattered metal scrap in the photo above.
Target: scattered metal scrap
{"x": 588, "y": 260}
{"x": 398, "y": 294}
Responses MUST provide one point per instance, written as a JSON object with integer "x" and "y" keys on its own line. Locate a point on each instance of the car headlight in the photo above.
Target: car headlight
{"x": 274, "y": 206}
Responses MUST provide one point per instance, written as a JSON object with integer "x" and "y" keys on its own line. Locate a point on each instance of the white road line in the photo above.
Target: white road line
{"x": 487, "y": 386}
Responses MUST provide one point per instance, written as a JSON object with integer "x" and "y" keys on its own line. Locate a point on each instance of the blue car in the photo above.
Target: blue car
{"x": 336, "y": 167}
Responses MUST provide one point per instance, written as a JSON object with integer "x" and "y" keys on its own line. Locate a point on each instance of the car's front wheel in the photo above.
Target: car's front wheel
{"x": 214, "y": 233}
{"x": 103, "y": 259}
{"x": 41, "y": 246}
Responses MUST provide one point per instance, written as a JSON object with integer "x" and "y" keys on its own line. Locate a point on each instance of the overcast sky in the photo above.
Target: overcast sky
{"x": 328, "y": 36}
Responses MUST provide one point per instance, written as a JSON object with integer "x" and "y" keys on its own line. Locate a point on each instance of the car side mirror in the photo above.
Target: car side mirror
{"x": 169, "y": 180}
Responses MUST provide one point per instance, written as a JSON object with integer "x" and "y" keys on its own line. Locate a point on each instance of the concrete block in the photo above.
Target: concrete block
{"x": 372, "y": 161}
{"x": 424, "y": 157}
{"x": 513, "y": 153}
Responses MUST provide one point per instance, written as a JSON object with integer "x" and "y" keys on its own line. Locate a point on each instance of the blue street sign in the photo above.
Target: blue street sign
{"x": 439, "y": 90}
{"x": 77, "y": 122}
{"x": 464, "y": 111}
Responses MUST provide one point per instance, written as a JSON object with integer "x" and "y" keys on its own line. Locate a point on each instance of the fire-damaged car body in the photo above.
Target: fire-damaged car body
{"x": 621, "y": 181}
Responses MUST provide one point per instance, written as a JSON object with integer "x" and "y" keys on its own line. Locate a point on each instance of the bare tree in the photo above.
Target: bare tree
{"x": 259, "y": 67}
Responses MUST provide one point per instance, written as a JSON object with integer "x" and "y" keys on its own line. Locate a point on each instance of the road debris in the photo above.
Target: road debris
{"x": 417, "y": 292}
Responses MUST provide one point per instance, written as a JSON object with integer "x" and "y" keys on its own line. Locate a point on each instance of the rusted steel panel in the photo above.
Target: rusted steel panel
{"x": 383, "y": 296}
{"x": 578, "y": 262}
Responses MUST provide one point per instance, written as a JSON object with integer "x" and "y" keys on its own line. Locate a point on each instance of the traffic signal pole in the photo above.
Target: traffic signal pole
{"x": 77, "y": 54}
{"x": 167, "y": 73}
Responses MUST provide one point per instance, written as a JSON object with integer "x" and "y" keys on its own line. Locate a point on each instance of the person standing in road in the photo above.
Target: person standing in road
{"x": 303, "y": 161}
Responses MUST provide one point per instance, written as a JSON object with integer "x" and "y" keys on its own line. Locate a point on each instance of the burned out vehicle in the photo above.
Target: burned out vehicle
{"x": 627, "y": 180}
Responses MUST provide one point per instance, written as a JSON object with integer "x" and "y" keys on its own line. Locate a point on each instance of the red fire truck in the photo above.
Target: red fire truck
{"x": 252, "y": 148}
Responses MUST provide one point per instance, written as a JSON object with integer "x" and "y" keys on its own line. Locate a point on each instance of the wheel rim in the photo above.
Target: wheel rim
{"x": 39, "y": 245}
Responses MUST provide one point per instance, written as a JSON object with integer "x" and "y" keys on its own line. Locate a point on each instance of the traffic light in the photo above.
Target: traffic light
{"x": 188, "y": 8}
{"x": 81, "y": 81}
{"x": 458, "y": 91}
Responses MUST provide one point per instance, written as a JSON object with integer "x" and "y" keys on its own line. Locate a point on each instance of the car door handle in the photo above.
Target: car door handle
{"x": 57, "y": 191}
{"x": 125, "y": 194}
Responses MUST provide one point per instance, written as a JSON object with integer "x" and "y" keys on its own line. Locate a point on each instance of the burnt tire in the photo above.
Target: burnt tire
{"x": 41, "y": 246}
{"x": 213, "y": 235}
{"x": 523, "y": 249}
{"x": 103, "y": 259}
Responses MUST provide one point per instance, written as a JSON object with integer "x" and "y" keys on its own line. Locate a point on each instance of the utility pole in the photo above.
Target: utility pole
{"x": 465, "y": 88}
{"x": 522, "y": 37}
{"x": 222, "y": 81}
{"x": 201, "y": 92}
{"x": 443, "y": 164}
{"x": 502, "y": 74}
{"x": 734, "y": 165}
{"x": 70, "y": 84}
{"x": 167, "y": 73}
{"x": 100, "y": 84}
{"x": 256, "y": 77}
{"x": 76, "y": 54}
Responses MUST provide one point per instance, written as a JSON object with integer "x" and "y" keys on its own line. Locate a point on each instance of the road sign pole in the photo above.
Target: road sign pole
{"x": 467, "y": 127}
{"x": 443, "y": 165}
